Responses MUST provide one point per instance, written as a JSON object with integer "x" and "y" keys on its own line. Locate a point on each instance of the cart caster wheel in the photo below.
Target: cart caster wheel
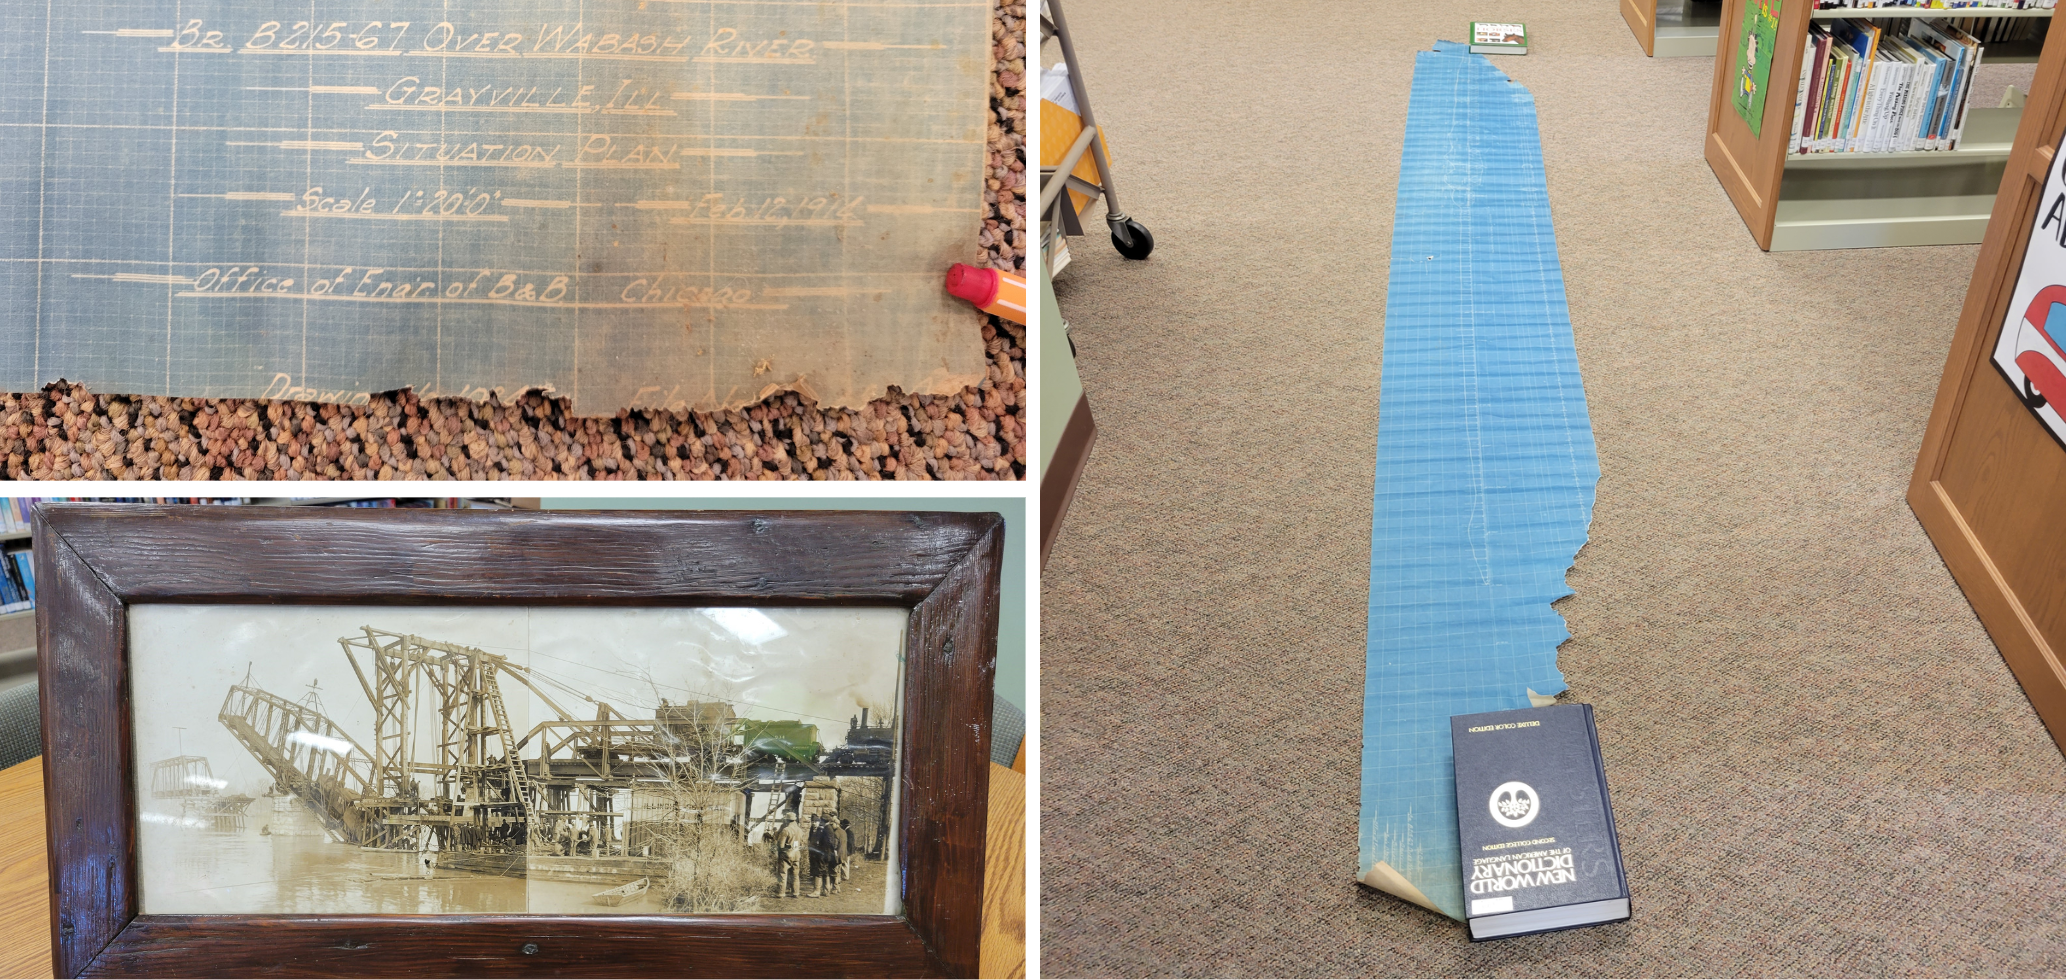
{"x": 1142, "y": 243}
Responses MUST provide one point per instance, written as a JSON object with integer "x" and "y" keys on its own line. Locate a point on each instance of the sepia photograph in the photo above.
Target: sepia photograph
{"x": 330, "y": 760}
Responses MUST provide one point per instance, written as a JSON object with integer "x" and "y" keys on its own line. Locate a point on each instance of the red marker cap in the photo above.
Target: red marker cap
{"x": 978, "y": 286}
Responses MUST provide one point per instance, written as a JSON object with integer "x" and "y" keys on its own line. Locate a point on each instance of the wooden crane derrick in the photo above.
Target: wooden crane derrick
{"x": 586, "y": 805}
{"x": 475, "y": 770}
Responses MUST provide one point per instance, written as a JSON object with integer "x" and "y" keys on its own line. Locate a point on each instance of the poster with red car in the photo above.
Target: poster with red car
{"x": 2030, "y": 352}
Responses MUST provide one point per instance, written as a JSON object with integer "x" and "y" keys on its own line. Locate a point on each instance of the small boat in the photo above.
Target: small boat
{"x": 623, "y": 893}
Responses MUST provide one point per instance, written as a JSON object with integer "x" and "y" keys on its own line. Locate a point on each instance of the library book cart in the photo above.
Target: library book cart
{"x": 1792, "y": 202}
{"x": 1675, "y": 28}
{"x": 1061, "y": 212}
{"x": 1991, "y": 475}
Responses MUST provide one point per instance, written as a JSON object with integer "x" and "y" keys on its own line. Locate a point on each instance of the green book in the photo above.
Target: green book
{"x": 1499, "y": 38}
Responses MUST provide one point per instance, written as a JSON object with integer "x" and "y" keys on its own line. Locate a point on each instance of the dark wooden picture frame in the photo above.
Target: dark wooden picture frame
{"x": 94, "y": 561}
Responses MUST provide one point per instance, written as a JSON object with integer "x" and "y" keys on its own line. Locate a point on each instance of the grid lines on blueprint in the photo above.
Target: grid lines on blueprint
{"x": 1485, "y": 458}
{"x": 676, "y": 204}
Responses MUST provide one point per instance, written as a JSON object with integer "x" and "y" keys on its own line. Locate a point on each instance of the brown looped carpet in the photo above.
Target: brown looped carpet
{"x": 66, "y": 432}
{"x": 1819, "y": 763}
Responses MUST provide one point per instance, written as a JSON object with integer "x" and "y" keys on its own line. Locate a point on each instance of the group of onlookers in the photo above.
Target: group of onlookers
{"x": 824, "y": 851}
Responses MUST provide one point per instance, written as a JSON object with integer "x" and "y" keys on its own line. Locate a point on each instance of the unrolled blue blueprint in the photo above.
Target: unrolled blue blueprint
{"x": 1485, "y": 462}
{"x": 650, "y": 203}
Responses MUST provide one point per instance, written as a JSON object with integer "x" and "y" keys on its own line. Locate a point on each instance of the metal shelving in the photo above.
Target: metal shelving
{"x": 1864, "y": 200}
{"x": 1688, "y": 28}
{"x": 1953, "y": 13}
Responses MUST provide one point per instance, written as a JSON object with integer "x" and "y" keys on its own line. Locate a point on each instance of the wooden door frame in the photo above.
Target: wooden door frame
{"x": 1642, "y": 21}
{"x": 1751, "y": 167}
{"x": 2030, "y": 656}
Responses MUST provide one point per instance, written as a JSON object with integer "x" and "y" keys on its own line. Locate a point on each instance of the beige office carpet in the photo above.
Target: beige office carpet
{"x": 1819, "y": 763}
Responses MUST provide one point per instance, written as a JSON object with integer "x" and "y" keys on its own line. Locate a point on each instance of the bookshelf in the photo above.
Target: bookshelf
{"x": 1988, "y": 478}
{"x": 1856, "y": 200}
{"x": 1675, "y": 28}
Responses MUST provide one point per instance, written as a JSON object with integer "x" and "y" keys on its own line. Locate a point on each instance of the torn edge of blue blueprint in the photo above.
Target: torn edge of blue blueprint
{"x": 1485, "y": 463}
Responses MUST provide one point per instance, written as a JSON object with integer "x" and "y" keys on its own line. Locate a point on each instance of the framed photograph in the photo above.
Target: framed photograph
{"x": 382, "y": 743}
{"x": 561, "y": 760}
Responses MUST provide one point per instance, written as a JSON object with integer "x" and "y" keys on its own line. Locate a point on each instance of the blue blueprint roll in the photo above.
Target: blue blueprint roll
{"x": 1485, "y": 462}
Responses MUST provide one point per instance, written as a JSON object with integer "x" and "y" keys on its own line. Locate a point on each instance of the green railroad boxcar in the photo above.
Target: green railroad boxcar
{"x": 791, "y": 740}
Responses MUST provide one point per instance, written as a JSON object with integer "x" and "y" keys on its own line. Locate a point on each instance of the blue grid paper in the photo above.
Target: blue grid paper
{"x": 1485, "y": 458}
{"x": 165, "y": 168}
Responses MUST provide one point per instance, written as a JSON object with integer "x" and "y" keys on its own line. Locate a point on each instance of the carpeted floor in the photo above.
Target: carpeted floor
{"x": 67, "y": 432}
{"x": 1819, "y": 762}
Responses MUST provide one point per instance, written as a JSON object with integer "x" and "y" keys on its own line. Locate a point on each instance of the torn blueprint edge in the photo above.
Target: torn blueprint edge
{"x": 1485, "y": 463}
{"x": 728, "y": 215}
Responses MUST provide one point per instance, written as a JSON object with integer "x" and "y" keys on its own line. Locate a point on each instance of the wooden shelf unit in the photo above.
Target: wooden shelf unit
{"x": 1793, "y": 202}
{"x": 1989, "y": 477}
{"x": 1675, "y": 28}
{"x": 1955, "y": 13}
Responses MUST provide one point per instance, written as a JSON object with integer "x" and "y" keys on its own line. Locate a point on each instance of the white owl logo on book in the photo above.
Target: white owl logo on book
{"x": 1514, "y": 804}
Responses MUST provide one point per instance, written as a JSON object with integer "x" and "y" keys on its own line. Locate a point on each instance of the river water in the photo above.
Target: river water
{"x": 196, "y": 870}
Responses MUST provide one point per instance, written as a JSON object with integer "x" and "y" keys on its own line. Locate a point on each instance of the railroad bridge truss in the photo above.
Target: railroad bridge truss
{"x": 464, "y": 776}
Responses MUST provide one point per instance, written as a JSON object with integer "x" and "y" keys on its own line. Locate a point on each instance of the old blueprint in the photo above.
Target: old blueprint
{"x": 632, "y": 203}
{"x": 1486, "y": 463}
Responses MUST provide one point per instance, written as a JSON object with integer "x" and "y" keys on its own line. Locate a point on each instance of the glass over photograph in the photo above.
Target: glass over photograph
{"x": 321, "y": 760}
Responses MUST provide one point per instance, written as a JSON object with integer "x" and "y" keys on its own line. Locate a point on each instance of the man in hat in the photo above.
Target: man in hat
{"x": 790, "y": 845}
{"x": 822, "y": 857}
{"x": 846, "y": 833}
{"x": 836, "y": 839}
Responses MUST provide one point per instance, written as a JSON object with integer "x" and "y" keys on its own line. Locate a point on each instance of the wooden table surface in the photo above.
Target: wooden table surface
{"x": 24, "y": 873}
{"x": 25, "y": 879}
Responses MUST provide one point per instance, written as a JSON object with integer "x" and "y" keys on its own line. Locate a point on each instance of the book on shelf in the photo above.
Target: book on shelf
{"x": 14, "y": 512}
{"x": 1873, "y": 88}
{"x": 17, "y": 582}
{"x": 1858, "y": 44}
{"x": 1944, "y": 5}
{"x": 1964, "y": 51}
{"x": 1489, "y": 38}
{"x": 1534, "y": 822}
{"x": 25, "y": 566}
{"x": 15, "y": 509}
{"x": 1812, "y": 63}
